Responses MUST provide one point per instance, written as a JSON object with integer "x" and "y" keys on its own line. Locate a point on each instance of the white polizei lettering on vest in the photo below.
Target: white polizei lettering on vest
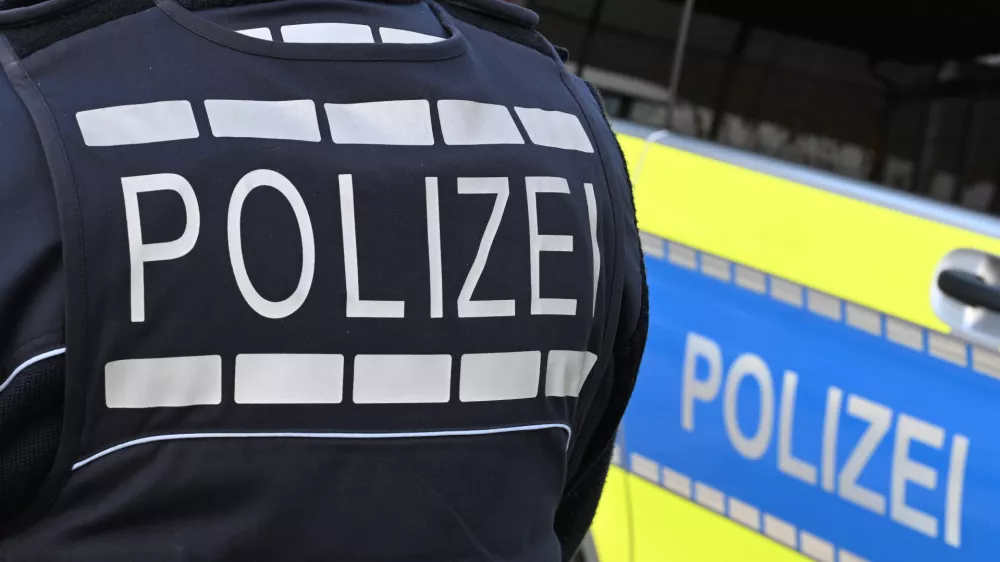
{"x": 392, "y": 123}
{"x": 283, "y": 120}
{"x": 257, "y": 33}
{"x": 172, "y": 382}
{"x": 554, "y": 129}
{"x": 538, "y": 243}
{"x": 140, "y": 253}
{"x": 472, "y": 123}
{"x": 434, "y": 248}
{"x": 289, "y": 379}
{"x": 468, "y": 308}
{"x": 392, "y": 35}
{"x": 138, "y": 124}
{"x": 357, "y": 308}
{"x": 402, "y": 379}
{"x": 567, "y": 371}
{"x": 588, "y": 188}
{"x": 327, "y": 33}
{"x": 787, "y": 462}
{"x": 955, "y": 491}
{"x": 908, "y": 471}
{"x": 500, "y": 376}
{"x": 879, "y": 419}
{"x": 831, "y": 426}
{"x": 262, "y": 306}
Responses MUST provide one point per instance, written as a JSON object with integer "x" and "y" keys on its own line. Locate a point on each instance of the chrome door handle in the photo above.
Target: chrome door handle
{"x": 966, "y": 295}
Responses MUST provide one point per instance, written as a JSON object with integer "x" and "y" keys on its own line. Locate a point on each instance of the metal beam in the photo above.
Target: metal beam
{"x": 679, "y": 49}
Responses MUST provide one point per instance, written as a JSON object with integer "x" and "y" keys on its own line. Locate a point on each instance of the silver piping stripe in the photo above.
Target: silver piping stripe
{"x": 29, "y": 363}
{"x": 350, "y": 436}
{"x": 940, "y": 346}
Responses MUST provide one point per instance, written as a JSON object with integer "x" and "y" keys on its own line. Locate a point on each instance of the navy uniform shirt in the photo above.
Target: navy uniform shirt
{"x": 389, "y": 246}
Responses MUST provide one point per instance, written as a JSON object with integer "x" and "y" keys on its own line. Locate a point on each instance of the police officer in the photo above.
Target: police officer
{"x": 306, "y": 280}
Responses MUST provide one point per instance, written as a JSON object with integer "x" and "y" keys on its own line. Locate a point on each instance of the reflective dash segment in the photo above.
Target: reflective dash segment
{"x": 390, "y": 123}
{"x": 289, "y": 379}
{"x": 138, "y": 124}
{"x": 257, "y": 33}
{"x": 555, "y": 129}
{"x": 567, "y": 371}
{"x": 281, "y": 120}
{"x": 171, "y": 382}
{"x": 500, "y": 376}
{"x": 392, "y": 35}
{"x": 465, "y": 123}
{"x": 327, "y": 33}
{"x": 402, "y": 379}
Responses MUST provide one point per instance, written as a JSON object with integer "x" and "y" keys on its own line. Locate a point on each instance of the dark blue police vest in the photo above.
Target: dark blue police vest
{"x": 325, "y": 301}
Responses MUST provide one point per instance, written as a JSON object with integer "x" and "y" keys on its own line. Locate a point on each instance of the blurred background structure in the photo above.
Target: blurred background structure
{"x": 897, "y": 94}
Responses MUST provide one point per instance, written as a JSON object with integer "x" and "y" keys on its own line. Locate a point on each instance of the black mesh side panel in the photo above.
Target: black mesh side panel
{"x": 30, "y": 423}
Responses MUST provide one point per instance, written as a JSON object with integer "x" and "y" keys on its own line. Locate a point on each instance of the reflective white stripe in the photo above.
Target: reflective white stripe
{"x": 846, "y": 556}
{"x": 744, "y": 513}
{"x": 257, "y": 33}
{"x": 500, "y": 376}
{"x": 472, "y": 123}
{"x": 289, "y": 379}
{"x": 327, "y": 33}
{"x": 29, "y": 363}
{"x": 779, "y": 530}
{"x": 567, "y": 372}
{"x": 392, "y": 35}
{"x": 815, "y": 547}
{"x": 138, "y": 124}
{"x": 171, "y": 382}
{"x": 402, "y": 379}
{"x": 676, "y": 482}
{"x": 398, "y": 123}
{"x": 644, "y": 467}
{"x": 403, "y": 435}
{"x": 555, "y": 129}
{"x": 284, "y": 120}
{"x": 709, "y": 497}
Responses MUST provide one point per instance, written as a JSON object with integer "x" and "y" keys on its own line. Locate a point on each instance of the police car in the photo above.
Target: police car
{"x": 821, "y": 374}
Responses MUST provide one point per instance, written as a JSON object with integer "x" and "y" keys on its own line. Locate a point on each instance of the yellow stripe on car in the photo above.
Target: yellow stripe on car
{"x": 878, "y": 257}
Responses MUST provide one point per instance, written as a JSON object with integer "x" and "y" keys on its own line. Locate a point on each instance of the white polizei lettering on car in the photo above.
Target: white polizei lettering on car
{"x": 289, "y": 379}
{"x": 567, "y": 371}
{"x": 704, "y": 357}
{"x": 139, "y": 253}
{"x": 468, "y": 308}
{"x": 356, "y": 307}
{"x": 402, "y": 379}
{"x": 749, "y": 365}
{"x": 588, "y": 189}
{"x": 389, "y": 123}
{"x": 831, "y": 427}
{"x": 539, "y": 243}
{"x": 282, "y": 120}
{"x": 434, "y": 248}
{"x": 172, "y": 382}
{"x": 257, "y": 33}
{"x": 264, "y": 307}
{"x": 327, "y": 33}
{"x": 500, "y": 376}
{"x": 879, "y": 419}
{"x": 554, "y": 129}
{"x": 392, "y": 35}
{"x": 787, "y": 462}
{"x": 465, "y": 123}
{"x": 908, "y": 471}
{"x": 138, "y": 124}
{"x": 693, "y": 388}
{"x": 955, "y": 490}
